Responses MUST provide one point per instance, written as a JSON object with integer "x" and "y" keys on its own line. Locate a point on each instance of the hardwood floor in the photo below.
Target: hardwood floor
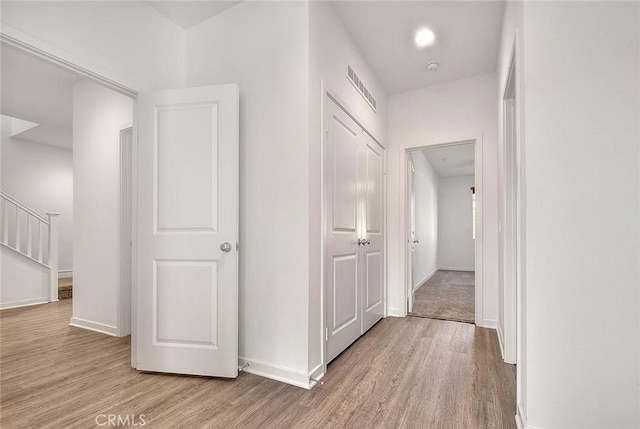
{"x": 404, "y": 373}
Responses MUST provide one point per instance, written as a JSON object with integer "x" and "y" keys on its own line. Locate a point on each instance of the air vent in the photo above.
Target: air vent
{"x": 361, "y": 87}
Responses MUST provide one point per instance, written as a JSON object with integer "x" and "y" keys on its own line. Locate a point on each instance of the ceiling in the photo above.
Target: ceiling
{"x": 36, "y": 91}
{"x": 467, "y": 39}
{"x": 186, "y": 14}
{"x": 452, "y": 161}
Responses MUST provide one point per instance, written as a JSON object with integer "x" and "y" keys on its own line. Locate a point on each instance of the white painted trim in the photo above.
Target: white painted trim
{"x": 500, "y": 341}
{"x": 513, "y": 223}
{"x": 405, "y": 259}
{"x": 24, "y": 303}
{"x": 125, "y": 187}
{"x": 487, "y": 323}
{"x": 469, "y": 269}
{"x": 94, "y": 326}
{"x": 6, "y": 246}
{"x": 521, "y": 419}
{"x": 395, "y": 312}
{"x": 276, "y": 372}
{"x": 316, "y": 373}
{"x": 65, "y": 274}
{"x": 64, "y": 59}
{"x": 426, "y": 279}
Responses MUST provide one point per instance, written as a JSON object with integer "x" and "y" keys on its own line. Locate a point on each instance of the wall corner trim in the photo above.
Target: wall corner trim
{"x": 94, "y": 326}
{"x": 488, "y": 323}
{"x": 500, "y": 341}
{"x": 521, "y": 421}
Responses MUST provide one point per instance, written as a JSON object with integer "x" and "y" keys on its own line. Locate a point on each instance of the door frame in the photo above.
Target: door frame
{"x": 406, "y": 233}
{"x": 60, "y": 58}
{"x": 512, "y": 229}
{"x": 329, "y": 95}
{"x": 125, "y": 208}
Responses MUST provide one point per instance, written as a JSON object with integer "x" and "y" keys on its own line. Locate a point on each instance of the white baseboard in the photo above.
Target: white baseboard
{"x": 457, "y": 268}
{"x": 94, "y": 326}
{"x": 316, "y": 374}
{"x": 488, "y": 323}
{"x": 24, "y": 303}
{"x": 426, "y": 279}
{"x": 521, "y": 420}
{"x": 394, "y": 312}
{"x": 277, "y": 372}
{"x": 500, "y": 341}
{"x": 63, "y": 274}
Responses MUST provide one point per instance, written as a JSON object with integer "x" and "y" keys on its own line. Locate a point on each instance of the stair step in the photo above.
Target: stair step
{"x": 65, "y": 288}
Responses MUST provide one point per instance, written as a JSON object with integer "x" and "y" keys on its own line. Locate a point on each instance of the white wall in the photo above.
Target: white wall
{"x": 263, "y": 47}
{"x": 513, "y": 22}
{"x": 456, "y": 246}
{"x": 330, "y": 49}
{"x": 426, "y": 191}
{"x": 41, "y": 176}
{"x": 456, "y": 111}
{"x": 129, "y": 41}
{"x": 98, "y": 116}
{"x": 582, "y": 208}
{"x": 22, "y": 282}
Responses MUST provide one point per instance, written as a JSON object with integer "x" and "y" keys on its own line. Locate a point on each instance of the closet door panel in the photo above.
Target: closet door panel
{"x": 371, "y": 180}
{"x": 343, "y": 298}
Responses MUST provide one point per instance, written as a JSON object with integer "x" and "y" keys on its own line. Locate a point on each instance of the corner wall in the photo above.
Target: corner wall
{"x": 98, "y": 116}
{"x": 582, "y": 108}
{"x": 263, "y": 47}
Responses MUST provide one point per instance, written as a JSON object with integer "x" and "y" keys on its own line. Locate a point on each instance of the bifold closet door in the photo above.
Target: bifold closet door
{"x": 343, "y": 256}
{"x": 371, "y": 179}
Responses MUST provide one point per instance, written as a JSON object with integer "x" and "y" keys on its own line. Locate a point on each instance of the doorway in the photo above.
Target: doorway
{"x": 444, "y": 231}
{"x": 75, "y": 161}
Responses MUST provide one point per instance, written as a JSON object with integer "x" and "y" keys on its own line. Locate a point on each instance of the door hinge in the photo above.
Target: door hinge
{"x": 326, "y": 334}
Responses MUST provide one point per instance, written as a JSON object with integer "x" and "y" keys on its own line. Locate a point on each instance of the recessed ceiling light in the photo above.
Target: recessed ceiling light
{"x": 424, "y": 37}
{"x": 433, "y": 66}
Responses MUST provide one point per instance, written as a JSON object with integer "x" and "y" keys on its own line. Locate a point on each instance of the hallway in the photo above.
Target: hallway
{"x": 404, "y": 373}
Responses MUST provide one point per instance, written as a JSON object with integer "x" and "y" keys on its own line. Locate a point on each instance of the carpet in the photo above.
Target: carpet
{"x": 447, "y": 295}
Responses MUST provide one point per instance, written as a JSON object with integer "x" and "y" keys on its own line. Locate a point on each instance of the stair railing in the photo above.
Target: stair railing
{"x": 30, "y": 234}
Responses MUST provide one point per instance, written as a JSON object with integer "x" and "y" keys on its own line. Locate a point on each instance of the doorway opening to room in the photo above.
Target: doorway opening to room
{"x": 65, "y": 211}
{"x": 443, "y": 233}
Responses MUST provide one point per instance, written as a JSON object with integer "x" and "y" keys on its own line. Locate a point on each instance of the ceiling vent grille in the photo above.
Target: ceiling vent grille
{"x": 362, "y": 89}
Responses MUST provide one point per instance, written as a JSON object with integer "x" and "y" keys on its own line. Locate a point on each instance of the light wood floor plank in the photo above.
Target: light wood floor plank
{"x": 404, "y": 373}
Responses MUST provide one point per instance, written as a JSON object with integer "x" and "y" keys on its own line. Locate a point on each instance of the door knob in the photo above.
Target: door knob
{"x": 360, "y": 242}
{"x": 416, "y": 241}
{"x": 225, "y": 247}
{"x": 367, "y": 241}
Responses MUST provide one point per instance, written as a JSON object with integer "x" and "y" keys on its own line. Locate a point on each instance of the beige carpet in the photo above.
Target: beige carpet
{"x": 448, "y": 295}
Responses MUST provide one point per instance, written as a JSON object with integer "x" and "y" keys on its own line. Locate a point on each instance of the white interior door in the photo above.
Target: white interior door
{"x": 343, "y": 259}
{"x": 371, "y": 174}
{"x": 187, "y": 279}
